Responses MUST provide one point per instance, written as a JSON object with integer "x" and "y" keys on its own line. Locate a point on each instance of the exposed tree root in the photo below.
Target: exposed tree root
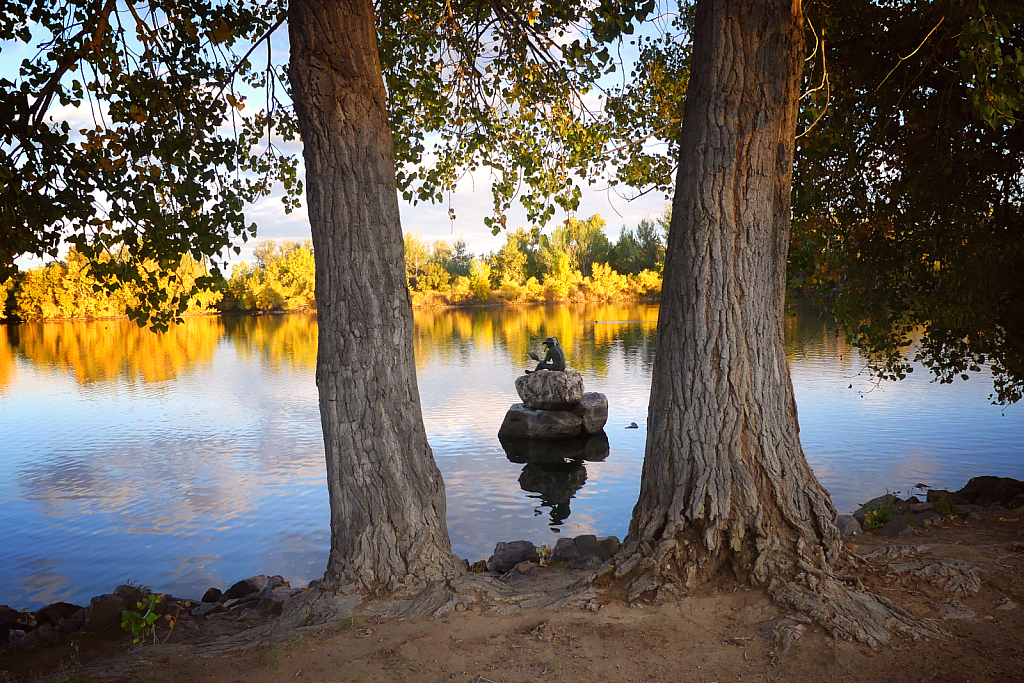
{"x": 806, "y": 586}
{"x": 849, "y": 613}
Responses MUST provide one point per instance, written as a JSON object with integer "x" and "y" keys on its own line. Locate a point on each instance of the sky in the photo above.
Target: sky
{"x": 471, "y": 200}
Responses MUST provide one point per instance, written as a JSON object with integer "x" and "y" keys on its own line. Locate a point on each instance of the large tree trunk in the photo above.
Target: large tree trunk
{"x": 725, "y": 483}
{"x": 388, "y": 531}
{"x": 725, "y": 480}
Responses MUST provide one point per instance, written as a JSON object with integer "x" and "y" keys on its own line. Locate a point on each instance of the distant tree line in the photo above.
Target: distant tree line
{"x": 576, "y": 262}
{"x": 281, "y": 278}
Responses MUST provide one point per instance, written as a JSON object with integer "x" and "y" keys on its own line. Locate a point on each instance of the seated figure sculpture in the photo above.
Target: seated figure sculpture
{"x": 554, "y": 359}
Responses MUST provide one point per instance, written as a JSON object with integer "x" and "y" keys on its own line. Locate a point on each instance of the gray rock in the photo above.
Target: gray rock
{"x": 848, "y": 525}
{"x": 254, "y": 584}
{"x": 73, "y": 623}
{"x": 525, "y": 568}
{"x": 14, "y": 637}
{"x": 565, "y": 550}
{"x": 894, "y": 528}
{"x": 44, "y": 635}
{"x": 920, "y": 507}
{"x": 935, "y": 495}
{"x": 550, "y": 389}
{"x": 272, "y": 600}
{"x": 208, "y": 608}
{"x": 132, "y": 593}
{"x": 508, "y": 555}
{"x": 53, "y": 614}
{"x": 973, "y": 517}
{"x": 593, "y": 408}
{"x": 874, "y": 504}
{"x": 588, "y": 545}
{"x": 927, "y": 518}
{"x": 1006, "y": 604}
{"x": 587, "y": 562}
{"x": 236, "y": 603}
{"x": 104, "y": 612}
{"x": 212, "y": 595}
{"x": 610, "y": 546}
{"x": 524, "y": 423}
{"x": 990, "y": 490}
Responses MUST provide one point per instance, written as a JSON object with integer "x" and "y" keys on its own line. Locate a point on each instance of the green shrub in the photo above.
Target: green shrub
{"x": 142, "y": 625}
{"x": 873, "y": 519}
{"x": 944, "y": 507}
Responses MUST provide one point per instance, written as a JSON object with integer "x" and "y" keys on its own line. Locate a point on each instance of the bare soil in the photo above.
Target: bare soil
{"x": 969, "y": 578}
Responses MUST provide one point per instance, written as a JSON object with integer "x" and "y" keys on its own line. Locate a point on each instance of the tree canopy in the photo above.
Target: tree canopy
{"x": 907, "y": 213}
{"x": 909, "y": 190}
{"x": 190, "y": 111}
{"x": 171, "y": 158}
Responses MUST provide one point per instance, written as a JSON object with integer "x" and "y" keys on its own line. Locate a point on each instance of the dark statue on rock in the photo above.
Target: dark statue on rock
{"x": 554, "y": 359}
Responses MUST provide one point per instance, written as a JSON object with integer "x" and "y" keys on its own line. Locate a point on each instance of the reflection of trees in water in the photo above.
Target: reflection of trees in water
{"x": 587, "y": 332}
{"x": 7, "y": 367}
{"x": 277, "y": 341}
{"x": 810, "y": 331}
{"x": 554, "y": 470}
{"x": 97, "y": 351}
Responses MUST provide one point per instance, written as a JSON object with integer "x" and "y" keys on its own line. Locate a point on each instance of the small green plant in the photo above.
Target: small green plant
{"x": 142, "y": 624}
{"x": 944, "y": 507}
{"x": 874, "y": 519}
{"x": 544, "y": 554}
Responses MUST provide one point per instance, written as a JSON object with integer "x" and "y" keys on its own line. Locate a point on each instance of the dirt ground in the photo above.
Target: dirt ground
{"x": 969, "y": 578}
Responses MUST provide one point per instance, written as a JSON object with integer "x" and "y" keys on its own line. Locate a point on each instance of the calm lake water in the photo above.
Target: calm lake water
{"x": 194, "y": 458}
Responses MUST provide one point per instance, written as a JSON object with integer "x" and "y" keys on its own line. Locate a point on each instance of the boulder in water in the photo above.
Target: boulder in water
{"x": 523, "y": 423}
{"x": 550, "y": 389}
{"x": 593, "y": 408}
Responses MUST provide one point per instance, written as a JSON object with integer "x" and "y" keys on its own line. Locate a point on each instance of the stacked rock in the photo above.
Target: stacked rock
{"x": 554, "y": 407}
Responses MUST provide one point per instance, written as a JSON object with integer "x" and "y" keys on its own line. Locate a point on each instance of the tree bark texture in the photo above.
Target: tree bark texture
{"x": 388, "y": 529}
{"x": 725, "y": 482}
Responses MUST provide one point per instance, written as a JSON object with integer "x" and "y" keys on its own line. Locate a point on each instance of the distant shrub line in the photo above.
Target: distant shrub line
{"x": 576, "y": 263}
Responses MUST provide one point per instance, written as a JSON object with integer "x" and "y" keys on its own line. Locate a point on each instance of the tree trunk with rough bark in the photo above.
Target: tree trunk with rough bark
{"x": 725, "y": 483}
{"x": 388, "y": 528}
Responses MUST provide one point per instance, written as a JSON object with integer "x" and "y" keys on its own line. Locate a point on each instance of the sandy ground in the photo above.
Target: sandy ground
{"x": 969, "y": 578}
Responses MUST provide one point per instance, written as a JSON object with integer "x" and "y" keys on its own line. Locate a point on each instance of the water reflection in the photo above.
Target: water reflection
{"x": 193, "y": 458}
{"x": 106, "y": 350}
{"x": 8, "y": 369}
{"x": 554, "y": 470}
{"x": 587, "y": 332}
{"x": 275, "y": 340}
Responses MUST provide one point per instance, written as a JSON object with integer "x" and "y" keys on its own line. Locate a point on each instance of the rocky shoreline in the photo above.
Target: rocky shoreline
{"x": 892, "y": 516}
{"x": 260, "y": 597}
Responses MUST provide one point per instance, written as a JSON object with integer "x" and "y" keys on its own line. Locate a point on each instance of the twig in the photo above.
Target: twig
{"x": 903, "y": 59}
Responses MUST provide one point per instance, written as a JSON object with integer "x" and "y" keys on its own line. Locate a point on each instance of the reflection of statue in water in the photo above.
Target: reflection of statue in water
{"x": 555, "y": 469}
{"x": 554, "y": 359}
{"x": 556, "y": 485}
